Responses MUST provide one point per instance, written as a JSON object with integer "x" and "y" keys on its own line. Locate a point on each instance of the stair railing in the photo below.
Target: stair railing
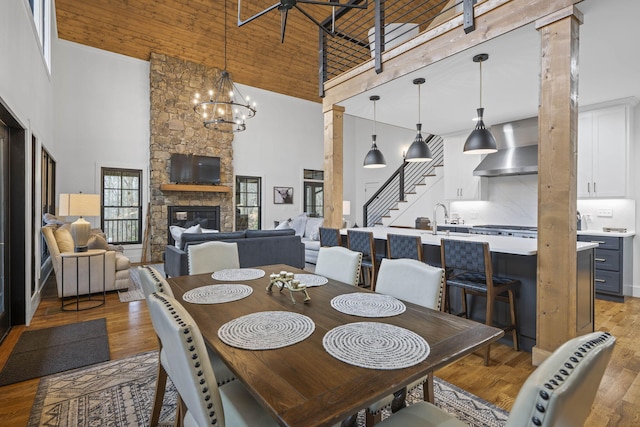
{"x": 402, "y": 182}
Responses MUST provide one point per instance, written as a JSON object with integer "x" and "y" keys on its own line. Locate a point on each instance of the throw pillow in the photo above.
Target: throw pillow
{"x": 298, "y": 223}
{"x": 177, "y": 231}
{"x": 49, "y": 219}
{"x": 64, "y": 239}
{"x": 312, "y": 227}
{"x": 97, "y": 242}
{"x": 283, "y": 225}
{"x": 209, "y": 230}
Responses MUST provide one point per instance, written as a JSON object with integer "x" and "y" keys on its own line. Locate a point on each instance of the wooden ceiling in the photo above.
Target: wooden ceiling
{"x": 193, "y": 30}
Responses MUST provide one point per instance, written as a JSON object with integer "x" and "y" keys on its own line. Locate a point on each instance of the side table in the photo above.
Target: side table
{"x": 86, "y": 301}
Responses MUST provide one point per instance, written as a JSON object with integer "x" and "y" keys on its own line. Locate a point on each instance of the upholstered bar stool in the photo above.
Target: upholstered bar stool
{"x": 330, "y": 237}
{"x": 472, "y": 273}
{"x": 363, "y": 242}
{"x": 404, "y": 246}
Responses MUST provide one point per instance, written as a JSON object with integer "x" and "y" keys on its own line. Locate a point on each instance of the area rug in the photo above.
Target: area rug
{"x": 135, "y": 292}
{"x": 120, "y": 393}
{"x": 43, "y": 352}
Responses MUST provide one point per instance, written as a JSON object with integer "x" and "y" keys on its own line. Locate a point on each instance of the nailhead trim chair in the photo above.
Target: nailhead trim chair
{"x": 212, "y": 256}
{"x": 560, "y": 392}
{"x": 363, "y": 242}
{"x": 338, "y": 263}
{"x": 419, "y": 283}
{"x": 472, "y": 272}
{"x": 330, "y": 236}
{"x": 404, "y": 246}
{"x": 188, "y": 366}
{"x": 153, "y": 282}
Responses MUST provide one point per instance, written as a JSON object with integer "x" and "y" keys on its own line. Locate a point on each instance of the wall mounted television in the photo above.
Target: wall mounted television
{"x": 192, "y": 169}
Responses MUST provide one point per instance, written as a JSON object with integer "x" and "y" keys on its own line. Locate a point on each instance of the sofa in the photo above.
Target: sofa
{"x": 116, "y": 264}
{"x": 308, "y": 229}
{"x": 255, "y": 247}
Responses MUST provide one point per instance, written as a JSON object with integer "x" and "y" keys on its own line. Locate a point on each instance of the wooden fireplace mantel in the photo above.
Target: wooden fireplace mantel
{"x": 196, "y": 187}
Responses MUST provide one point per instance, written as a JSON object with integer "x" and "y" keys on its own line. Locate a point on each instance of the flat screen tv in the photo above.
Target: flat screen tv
{"x": 192, "y": 169}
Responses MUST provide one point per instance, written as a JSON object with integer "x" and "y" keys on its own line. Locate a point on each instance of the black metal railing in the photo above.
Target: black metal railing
{"x": 402, "y": 182}
{"x": 354, "y": 39}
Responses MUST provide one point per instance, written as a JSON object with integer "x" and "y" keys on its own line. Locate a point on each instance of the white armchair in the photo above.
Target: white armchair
{"x": 117, "y": 276}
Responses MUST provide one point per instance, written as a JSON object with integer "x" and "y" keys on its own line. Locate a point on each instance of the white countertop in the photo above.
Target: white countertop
{"x": 606, "y": 233}
{"x": 502, "y": 244}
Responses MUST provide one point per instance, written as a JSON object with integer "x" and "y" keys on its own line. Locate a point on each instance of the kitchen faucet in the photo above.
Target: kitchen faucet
{"x": 446, "y": 217}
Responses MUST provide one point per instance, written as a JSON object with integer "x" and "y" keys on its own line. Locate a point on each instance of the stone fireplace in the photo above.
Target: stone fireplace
{"x": 176, "y": 128}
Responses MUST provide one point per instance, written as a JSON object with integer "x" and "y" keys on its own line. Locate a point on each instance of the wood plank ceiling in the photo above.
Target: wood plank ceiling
{"x": 193, "y": 30}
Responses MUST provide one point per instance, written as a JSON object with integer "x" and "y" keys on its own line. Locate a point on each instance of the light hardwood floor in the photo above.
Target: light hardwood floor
{"x": 130, "y": 332}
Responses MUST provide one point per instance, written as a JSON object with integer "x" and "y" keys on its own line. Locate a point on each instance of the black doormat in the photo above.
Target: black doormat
{"x": 48, "y": 351}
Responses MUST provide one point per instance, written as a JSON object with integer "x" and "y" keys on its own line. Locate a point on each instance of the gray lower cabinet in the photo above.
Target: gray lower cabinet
{"x": 613, "y": 265}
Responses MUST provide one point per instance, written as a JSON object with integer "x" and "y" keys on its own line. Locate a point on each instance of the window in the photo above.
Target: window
{"x": 314, "y": 192}
{"x": 248, "y": 203}
{"x": 41, "y": 10}
{"x": 48, "y": 193}
{"x": 122, "y": 205}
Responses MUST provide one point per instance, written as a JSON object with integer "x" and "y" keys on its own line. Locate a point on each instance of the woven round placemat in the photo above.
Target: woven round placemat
{"x": 376, "y": 345}
{"x": 216, "y": 294}
{"x": 266, "y": 330}
{"x": 236, "y": 274}
{"x": 368, "y": 305}
{"x": 311, "y": 280}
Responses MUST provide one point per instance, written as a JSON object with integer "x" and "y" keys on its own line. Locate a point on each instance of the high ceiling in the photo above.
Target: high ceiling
{"x": 194, "y": 30}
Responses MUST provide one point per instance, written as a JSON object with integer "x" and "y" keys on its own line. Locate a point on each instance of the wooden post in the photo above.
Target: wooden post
{"x": 333, "y": 165}
{"x": 557, "y": 191}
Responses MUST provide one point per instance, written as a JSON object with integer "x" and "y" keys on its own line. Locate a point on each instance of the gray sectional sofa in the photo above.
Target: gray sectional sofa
{"x": 255, "y": 247}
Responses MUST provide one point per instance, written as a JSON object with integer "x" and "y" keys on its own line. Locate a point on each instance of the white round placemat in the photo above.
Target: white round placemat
{"x": 376, "y": 345}
{"x": 216, "y": 294}
{"x": 266, "y": 330}
{"x": 235, "y": 274}
{"x": 311, "y": 280}
{"x": 368, "y": 305}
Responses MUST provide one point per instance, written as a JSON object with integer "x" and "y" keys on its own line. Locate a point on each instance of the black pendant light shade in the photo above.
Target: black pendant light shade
{"x": 374, "y": 158}
{"x": 418, "y": 150}
{"x": 480, "y": 141}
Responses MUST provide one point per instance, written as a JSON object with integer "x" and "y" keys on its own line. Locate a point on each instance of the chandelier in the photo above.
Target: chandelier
{"x": 226, "y": 109}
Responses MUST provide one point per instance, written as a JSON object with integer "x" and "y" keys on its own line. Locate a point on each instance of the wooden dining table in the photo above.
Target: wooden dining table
{"x": 302, "y": 385}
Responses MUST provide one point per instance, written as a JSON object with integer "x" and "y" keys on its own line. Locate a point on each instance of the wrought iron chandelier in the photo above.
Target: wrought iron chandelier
{"x": 226, "y": 109}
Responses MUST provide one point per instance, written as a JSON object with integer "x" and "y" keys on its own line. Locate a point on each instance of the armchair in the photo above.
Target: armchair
{"x": 59, "y": 240}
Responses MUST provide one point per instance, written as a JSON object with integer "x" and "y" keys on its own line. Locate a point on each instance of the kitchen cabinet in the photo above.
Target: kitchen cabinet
{"x": 603, "y": 144}
{"x": 459, "y": 181}
{"x": 613, "y": 265}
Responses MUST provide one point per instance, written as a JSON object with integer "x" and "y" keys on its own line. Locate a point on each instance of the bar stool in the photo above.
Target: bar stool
{"x": 473, "y": 274}
{"x": 363, "y": 242}
{"x": 404, "y": 246}
{"x": 330, "y": 237}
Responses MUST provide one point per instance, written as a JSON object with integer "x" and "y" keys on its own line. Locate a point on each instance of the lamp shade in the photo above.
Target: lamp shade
{"x": 374, "y": 158}
{"x": 418, "y": 150}
{"x": 79, "y": 205}
{"x": 480, "y": 141}
{"x": 346, "y": 207}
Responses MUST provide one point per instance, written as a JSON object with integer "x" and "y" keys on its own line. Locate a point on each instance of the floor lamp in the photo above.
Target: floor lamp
{"x": 80, "y": 205}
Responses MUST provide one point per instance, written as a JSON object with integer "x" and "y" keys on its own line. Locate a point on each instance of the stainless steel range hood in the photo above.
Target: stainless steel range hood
{"x": 517, "y": 154}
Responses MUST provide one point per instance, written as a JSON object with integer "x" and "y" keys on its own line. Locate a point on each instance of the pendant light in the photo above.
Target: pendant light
{"x": 418, "y": 150}
{"x": 374, "y": 158}
{"x": 480, "y": 141}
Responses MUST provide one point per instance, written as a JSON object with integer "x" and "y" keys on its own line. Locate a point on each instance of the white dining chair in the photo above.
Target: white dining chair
{"x": 153, "y": 282}
{"x": 339, "y": 263}
{"x": 188, "y": 366}
{"x": 559, "y": 392}
{"x": 416, "y": 282}
{"x": 212, "y": 256}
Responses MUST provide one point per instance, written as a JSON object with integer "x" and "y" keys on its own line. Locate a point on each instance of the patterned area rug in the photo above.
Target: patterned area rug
{"x": 120, "y": 393}
{"x": 135, "y": 292}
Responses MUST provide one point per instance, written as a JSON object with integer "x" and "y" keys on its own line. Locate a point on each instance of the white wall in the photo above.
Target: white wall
{"x": 25, "y": 90}
{"x": 285, "y": 137}
{"x": 101, "y": 111}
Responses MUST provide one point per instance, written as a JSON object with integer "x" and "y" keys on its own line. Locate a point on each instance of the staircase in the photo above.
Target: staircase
{"x": 408, "y": 184}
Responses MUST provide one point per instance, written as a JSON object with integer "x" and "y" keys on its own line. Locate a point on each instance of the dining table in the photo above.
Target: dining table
{"x": 302, "y": 384}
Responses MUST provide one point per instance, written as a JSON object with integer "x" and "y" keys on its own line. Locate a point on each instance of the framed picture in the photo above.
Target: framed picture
{"x": 283, "y": 195}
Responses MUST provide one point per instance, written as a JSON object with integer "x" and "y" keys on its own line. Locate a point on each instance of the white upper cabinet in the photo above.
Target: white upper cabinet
{"x": 603, "y": 146}
{"x": 459, "y": 181}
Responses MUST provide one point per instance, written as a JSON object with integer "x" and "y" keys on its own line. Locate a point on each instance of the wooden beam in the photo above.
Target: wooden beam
{"x": 557, "y": 189}
{"x": 333, "y": 166}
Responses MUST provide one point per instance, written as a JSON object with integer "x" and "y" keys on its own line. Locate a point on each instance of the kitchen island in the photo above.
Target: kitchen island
{"x": 512, "y": 257}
